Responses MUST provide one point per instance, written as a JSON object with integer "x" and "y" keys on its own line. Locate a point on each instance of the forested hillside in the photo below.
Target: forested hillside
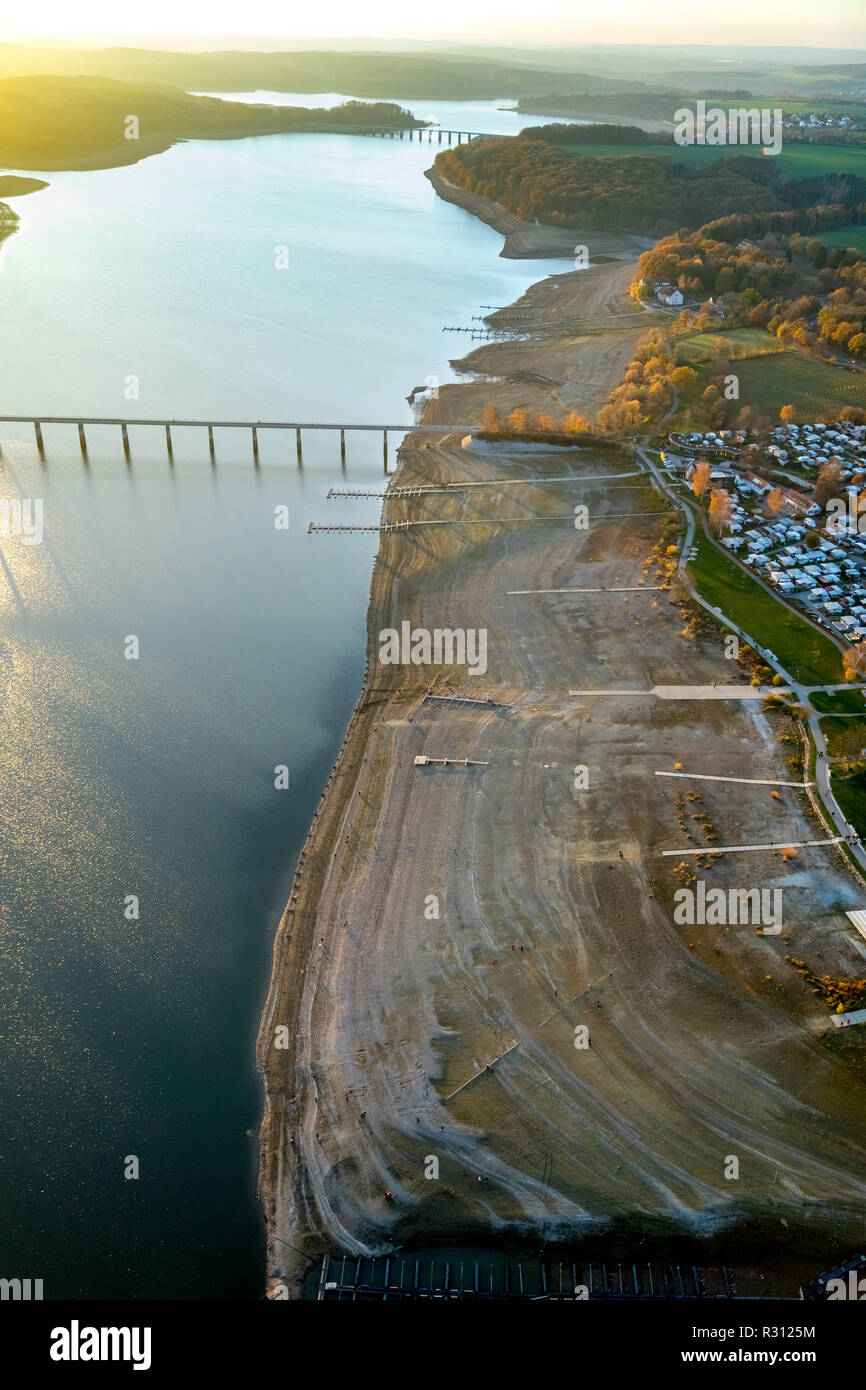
{"x": 650, "y": 193}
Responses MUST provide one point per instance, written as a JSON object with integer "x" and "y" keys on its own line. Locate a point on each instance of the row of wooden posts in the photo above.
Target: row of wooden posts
{"x": 124, "y": 435}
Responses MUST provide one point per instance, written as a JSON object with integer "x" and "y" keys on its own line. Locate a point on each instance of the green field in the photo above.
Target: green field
{"x": 809, "y": 656}
{"x": 798, "y": 159}
{"x": 741, "y": 342}
{"x": 845, "y": 236}
{"x": 813, "y": 388}
{"x": 842, "y": 702}
{"x": 849, "y": 789}
{"x": 846, "y": 738}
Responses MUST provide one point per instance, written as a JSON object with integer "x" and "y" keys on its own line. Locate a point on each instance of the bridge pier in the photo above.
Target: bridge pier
{"x": 255, "y": 444}
{"x": 168, "y": 443}
{"x": 124, "y": 436}
{"x": 82, "y": 438}
{"x": 40, "y": 446}
{"x": 210, "y": 443}
{"x": 342, "y": 445}
{"x": 440, "y": 138}
{"x": 298, "y": 446}
{"x": 385, "y": 448}
{"x": 449, "y": 137}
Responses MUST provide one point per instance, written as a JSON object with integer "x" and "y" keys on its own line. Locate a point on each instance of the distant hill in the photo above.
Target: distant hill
{"x": 402, "y": 75}
{"x": 81, "y": 122}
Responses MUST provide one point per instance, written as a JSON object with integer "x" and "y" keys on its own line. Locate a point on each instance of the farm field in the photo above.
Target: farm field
{"x": 741, "y": 342}
{"x": 845, "y": 236}
{"x": 813, "y": 388}
{"x": 801, "y": 160}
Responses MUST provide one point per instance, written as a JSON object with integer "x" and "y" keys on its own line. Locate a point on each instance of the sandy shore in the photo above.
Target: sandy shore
{"x": 531, "y": 240}
{"x": 449, "y": 929}
{"x": 452, "y": 1037}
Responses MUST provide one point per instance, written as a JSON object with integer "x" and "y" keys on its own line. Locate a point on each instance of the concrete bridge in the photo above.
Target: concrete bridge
{"x": 81, "y": 421}
{"x": 400, "y": 132}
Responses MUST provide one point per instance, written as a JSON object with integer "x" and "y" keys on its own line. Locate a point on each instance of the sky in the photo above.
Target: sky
{"x": 828, "y": 24}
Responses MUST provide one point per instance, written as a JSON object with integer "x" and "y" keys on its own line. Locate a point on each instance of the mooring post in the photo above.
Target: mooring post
{"x": 385, "y": 448}
{"x": 82, "y": 439}
{"x": 124, "y": 435}
{"x": 210, "y": 444}
{"x": 255, "y": 443}
{"x": 298, "y": 444}
{"x": 342, "y": 445}
{"x": 168, "y": 440}
{"x": 38, "y": 428}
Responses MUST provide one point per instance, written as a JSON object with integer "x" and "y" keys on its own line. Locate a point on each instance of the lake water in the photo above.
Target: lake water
{"x": 155, "y": 777}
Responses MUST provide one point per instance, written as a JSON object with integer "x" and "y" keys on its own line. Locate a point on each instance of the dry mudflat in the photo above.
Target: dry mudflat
{"x": 579, "y": 329}
{"x": 453, "y": 929}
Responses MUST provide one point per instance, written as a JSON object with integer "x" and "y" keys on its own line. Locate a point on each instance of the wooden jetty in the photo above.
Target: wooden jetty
{"x": 422, "y": 760}
{"x": 487, "y": 703}
{"x": 379, "y": 526}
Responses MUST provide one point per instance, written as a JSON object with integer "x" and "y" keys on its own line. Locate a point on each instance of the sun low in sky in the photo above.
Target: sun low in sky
{"x": 779, "y": 23}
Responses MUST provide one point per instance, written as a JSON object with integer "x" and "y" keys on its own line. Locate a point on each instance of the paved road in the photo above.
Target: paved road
{"x": 801, "y": 692}
{"x": 698, "y": 692}
{"x": 735, "y": 560}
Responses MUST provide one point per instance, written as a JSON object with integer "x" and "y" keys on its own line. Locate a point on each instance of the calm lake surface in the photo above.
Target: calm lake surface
{"x": 155, "y": 777}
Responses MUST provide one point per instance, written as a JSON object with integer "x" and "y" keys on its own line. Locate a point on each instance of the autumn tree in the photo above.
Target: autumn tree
{"x": 830, "y": 481}
{"x": 544, "y": 423}
{"x": 701, "y": 479}
{"x": 720, "y": 509}
{"x": 775, "y": 500}
{"x": 683, "y": 377}
{"x": 787, "y": 414}
{"x": 517, "y": 421}
{"x": 575, "y": 424}
{"x": 854, "y": 662}
{"x": 491, "y": 420}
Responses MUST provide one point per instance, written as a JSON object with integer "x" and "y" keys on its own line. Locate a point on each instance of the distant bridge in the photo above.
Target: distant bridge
{"x": 400, "y": 131}
{"x": 210, "y": 425}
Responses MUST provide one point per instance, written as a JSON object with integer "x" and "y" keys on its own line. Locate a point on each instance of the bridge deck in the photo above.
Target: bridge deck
{"x": 225, "y": 424}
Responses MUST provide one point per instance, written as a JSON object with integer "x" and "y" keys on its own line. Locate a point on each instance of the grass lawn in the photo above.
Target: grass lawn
{"x": 845, "y": 236}
{"x": 813, "y": 388}
{"x": 849, "y": 789}
{"x": 741, "y": 342}
{"x": 842, "y": 702}
{"x": 809, "y": 656}
{"x": 800, "y": 160}
{"x": 846, "y": 738}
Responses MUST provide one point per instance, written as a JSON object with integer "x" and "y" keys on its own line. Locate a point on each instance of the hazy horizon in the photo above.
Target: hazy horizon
{"x": 781, "y": 24}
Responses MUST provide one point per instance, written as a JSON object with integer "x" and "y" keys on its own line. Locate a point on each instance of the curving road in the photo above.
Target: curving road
{"x": 802, "y": 692}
